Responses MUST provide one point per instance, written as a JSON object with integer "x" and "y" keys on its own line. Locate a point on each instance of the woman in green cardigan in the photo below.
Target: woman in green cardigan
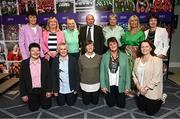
{"x": 115, "y": 75}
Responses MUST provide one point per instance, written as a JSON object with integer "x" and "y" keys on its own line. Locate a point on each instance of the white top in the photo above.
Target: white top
{"x": 90, "y": 88}
{"x": 92, "y": 32}
{"x": 140, "y": 73}
{"x": 114, "y": 78}
{"x": 34, "y": 29}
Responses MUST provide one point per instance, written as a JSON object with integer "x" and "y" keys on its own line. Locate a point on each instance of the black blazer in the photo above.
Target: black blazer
{"x": 74, "y": 76}
{"x": 98, "y": 39}
{"x": 26, "y": 81}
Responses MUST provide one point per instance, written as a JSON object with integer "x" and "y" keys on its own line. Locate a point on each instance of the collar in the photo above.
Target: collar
{"x": 64, "y": 58}
{"x": 92, "y": 27}
{"x": 38, "y": 61}
{"x": 90, "y": 56}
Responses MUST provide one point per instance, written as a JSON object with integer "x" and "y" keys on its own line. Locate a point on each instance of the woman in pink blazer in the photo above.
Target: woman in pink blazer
{"x": 52, "y": 36}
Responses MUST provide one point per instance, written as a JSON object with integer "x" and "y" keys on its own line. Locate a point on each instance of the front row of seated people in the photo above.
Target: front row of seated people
{"x": 109, "y": 74}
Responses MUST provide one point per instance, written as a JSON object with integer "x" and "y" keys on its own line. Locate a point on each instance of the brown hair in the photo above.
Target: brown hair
{"x": 139, "y": 53}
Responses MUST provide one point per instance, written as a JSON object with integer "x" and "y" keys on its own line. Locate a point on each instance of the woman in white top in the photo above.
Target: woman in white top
{"x": 158, "y": 35}
{"x": 148, "y": 78}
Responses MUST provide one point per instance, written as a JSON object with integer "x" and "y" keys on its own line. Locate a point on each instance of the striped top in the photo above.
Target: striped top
{"x": 52, "y": 42}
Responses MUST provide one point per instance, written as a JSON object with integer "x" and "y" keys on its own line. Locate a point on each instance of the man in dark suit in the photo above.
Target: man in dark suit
{"x": 92, "y": 32}
{"x": 35, "y": 83}
{"x": 65, "y": 76}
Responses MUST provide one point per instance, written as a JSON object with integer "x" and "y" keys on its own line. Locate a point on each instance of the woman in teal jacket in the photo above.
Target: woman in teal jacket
{"x": 115, "y": 75}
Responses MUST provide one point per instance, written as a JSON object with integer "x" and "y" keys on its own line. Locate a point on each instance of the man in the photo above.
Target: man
{"x": 92, "y": 32}
{"x": 65, "y": 76}
{"x": 30, "y": 33}
{"x": 35, "y": 83}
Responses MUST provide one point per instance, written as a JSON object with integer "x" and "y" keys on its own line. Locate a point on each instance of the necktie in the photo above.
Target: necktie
{"x": 89, "y": 34}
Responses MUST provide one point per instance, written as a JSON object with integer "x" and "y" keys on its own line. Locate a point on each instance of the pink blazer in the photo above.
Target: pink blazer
{"x": 60, "y": 39}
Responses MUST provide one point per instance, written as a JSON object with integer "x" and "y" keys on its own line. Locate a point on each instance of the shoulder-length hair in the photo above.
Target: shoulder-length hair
{"x": 139, "y": 52}
{"x": 48, "y": 27}
{"x": 133, "y": 17}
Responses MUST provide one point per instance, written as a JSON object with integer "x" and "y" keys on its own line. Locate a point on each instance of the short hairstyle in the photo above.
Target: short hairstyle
{"x": 32, "y": 13}
{"x": 88, "y": 42}
{"x": 153, "y": 16}
{"x": 71, "y": 19}
{"x": 61, "y": 44}
{"x": 34, "y": 45}
{"x": 133, "y": 17}
{"x": 139, "y": 53}
{"x": 113, "y": 15}
{"x": 112, "y": 39}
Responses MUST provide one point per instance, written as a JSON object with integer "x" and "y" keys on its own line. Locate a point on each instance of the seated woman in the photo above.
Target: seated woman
{"x": 148, "y": 78}
{"x": 115, "y": 75}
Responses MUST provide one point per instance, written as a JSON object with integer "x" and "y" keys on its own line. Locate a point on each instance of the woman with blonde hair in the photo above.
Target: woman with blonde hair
{"x": 71, "y": 38}
{"x": 52, "y": 36}
{"x": 131, "y": 39}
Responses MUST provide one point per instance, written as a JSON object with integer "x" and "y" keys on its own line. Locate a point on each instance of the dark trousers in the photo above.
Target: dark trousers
{"x": 148, "y": 105}
{"x": 115, "y": 98}
{"x": 68, "y": 99}
{"x": 90, "y": 97}
{"x": 38, "y": 98}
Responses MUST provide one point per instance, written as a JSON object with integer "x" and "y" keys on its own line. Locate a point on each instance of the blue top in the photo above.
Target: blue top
{"x": 64, "y": 76}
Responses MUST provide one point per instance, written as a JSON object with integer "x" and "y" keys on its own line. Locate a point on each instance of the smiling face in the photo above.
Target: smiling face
{"x": 35, "y": 52}
{"x": 112, "y": 21}
{"x": 90, "y": 20}
{"x": 90, "y": 48}
{"x": 113, "y": 46}
{"x": 52, "y": 23}
{"x": 71, "y": 24}
{"x": 32, "y": 19}
{"x": 63, "y": 50}
{"x": 146, "y": 48}
{"x": 134, "y": 23}
{"x": 153, "y": 22}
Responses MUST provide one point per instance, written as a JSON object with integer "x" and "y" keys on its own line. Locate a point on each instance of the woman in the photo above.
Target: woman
{"x": 30, "y": 33}
{"x": 148, "y": 78}
{"x": 65, "y": 77}
{"x": 89, "y": 65}
{"x": 113, "y": 30}
{"x": 133, "y": 37}
{"x": 158, "y": 36}
{"x": 71, "y": 38}
{"x": 130, "y": 42}
{"x": 114, "y": 75}
{"x": 52, "y": 36}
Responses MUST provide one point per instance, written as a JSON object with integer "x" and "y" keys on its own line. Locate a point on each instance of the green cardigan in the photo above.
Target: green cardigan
{"x": 124, "y": 72}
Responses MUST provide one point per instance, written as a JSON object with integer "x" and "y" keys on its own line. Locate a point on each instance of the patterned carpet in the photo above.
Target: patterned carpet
{"x": 12, "y": 107}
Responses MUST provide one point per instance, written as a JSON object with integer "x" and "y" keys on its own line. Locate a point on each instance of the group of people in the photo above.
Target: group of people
{"x": 111, "y": 60}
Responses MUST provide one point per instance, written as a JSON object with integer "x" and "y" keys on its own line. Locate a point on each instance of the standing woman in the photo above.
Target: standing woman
{"x": 148, "y": 78}
{"x": 52, "y": 36}
{"x": 113, "y": 30}
{"x": 71, "y": 38}
{"x": 30, "y": 33}
{"x": 89, "y": 65}
{"x": 158, "y": 36}
{"x": 115, "y": 75}
{"x": 132, "y": 38}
